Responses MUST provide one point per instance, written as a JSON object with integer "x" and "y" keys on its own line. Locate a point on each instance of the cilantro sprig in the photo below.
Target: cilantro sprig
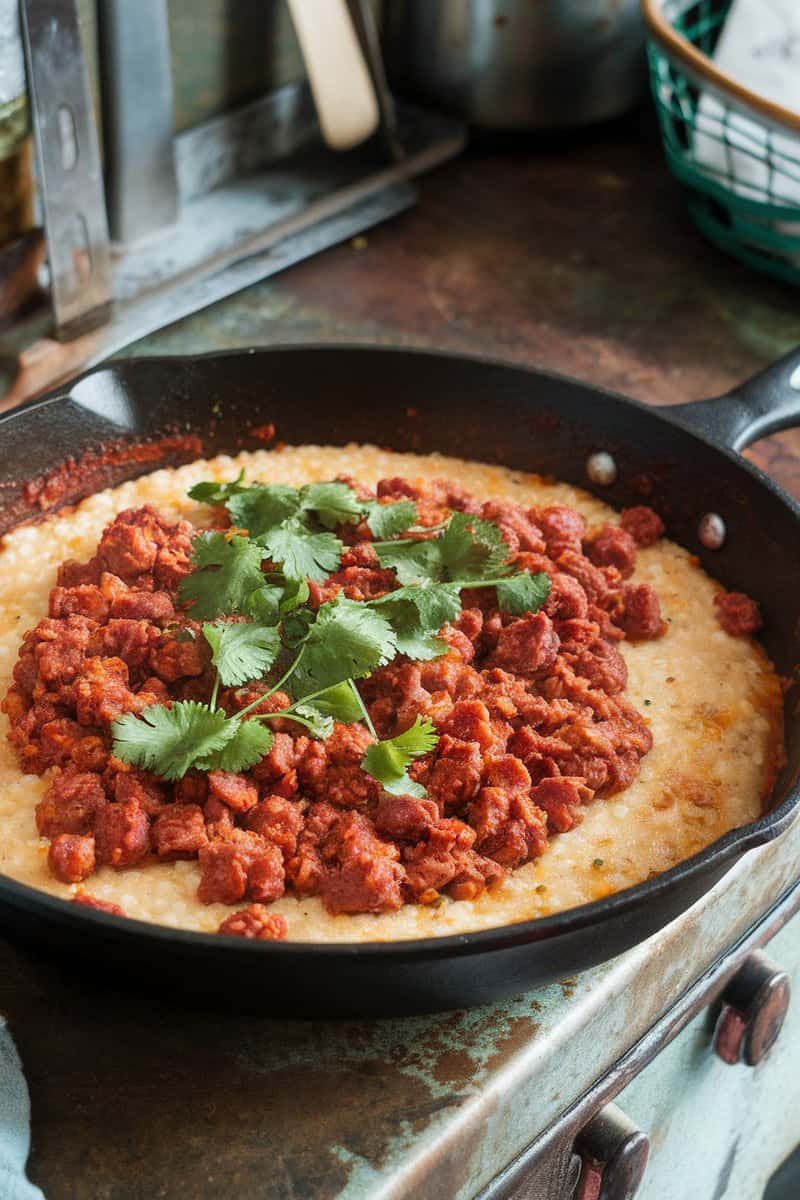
{"x": 388, "y": 761}
{"x": 317, "y": 654}
{"x": 168, "y": 741}
{"x": 416, "y": 614}
{"x": 389, "y": 520}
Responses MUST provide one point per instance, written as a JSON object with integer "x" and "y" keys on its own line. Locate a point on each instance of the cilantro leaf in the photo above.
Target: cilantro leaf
{"x": 248, "y": 742}
{"x": 263, "y": 506}
{"x": 347, "y": 641}
{"x": 228, "y": 571}
{"x": 302, "y": 555}
{"x": 338, "y": 702}
{"x": 417, "y": 612}
{"x": 168, "y": 741}
{"x": 414, "y": 562}
{"x": 296, "y": 625}
{"x": 242, "y": 652}
{"x": 468, "y": 549}
{"x": 331, "y": 503}
{"x": 388, "y": 761}
{"x": 387, "y": 520}
{"x": 218, "y": 493}
{"x": 295, "y": 593}
{"x": 420, "y": 647}
{"x": 264, "y": 604}
{"x": 318, "y": 724}
{"x": 523, "y": 593}
{"x": 471, "y": 547}
{"x": 269, "y": 603}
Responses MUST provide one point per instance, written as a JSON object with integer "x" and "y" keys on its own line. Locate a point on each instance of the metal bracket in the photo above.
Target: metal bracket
{"x": 70, "y": 178}
{"x": 138, "y": 120}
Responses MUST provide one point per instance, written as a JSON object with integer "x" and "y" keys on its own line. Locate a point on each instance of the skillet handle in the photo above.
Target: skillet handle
{"x": 762, "y": 405}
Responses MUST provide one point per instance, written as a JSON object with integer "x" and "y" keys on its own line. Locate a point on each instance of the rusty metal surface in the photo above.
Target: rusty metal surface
{"x": 579, "y": 259}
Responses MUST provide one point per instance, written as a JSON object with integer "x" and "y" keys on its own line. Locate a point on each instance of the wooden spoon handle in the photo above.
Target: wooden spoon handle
{"x": 338, "y": 75}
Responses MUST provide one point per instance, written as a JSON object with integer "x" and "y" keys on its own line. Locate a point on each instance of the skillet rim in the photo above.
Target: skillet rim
{"x": 726, "y": 849}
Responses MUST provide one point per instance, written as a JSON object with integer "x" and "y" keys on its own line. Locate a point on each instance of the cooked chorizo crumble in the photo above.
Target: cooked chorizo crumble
{"x": 377, "y": 697}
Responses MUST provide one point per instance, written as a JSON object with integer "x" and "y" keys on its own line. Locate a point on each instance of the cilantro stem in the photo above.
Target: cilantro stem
{"x": 398, "y": 541}
{"x": 275, "y": 687}
{"x": 287, "y": 673}
{"x": 291, "y": 710}
{"x": 305, "y": 699}
{"x": 464, "y": 584}
{"x": 363, "y": 707}
{"x": 289, "y": 715}
{"x": 213, "y": 701}
{"x": 282, "y": 712}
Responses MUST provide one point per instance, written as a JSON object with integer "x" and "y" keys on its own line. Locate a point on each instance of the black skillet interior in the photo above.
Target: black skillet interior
{"x": 418, "y": 401}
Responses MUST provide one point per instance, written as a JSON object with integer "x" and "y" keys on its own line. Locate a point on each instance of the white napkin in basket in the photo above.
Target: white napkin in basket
{"x": 759, "y": 47}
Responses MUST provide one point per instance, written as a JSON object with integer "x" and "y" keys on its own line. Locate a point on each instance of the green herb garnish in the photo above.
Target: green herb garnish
{"x": 347, "y": 641}
{"x": 247, "y": 744}
{"x": 416, "y": 614}
{"x": 469, "y": 548}
{"x": 228, "y": 572}
{"x": 170, "y": 741}
{"x": 523, "y": 593}
{"x": 242, "y": 652}
{"x": 218, "y": 493}
{"x": 319, "y": 654}
{"x": 301, "y": 553}
{"x": 387, "y": 520}
{"x": 388, "y": 761}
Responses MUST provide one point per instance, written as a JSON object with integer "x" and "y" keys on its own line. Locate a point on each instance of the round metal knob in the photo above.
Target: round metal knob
{"x": 754, "y": 1006}
{"x": 613, "y": 1155}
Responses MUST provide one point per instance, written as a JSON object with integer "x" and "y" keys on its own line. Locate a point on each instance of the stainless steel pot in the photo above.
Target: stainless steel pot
{"x": 518, "y": 64}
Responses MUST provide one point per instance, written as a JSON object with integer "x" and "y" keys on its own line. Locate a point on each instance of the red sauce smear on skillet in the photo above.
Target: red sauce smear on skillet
{"x": 531, "y": 713}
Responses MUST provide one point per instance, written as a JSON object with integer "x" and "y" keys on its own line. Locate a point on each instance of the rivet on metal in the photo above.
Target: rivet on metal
{"x": 712, "y": 531}
{"x": 601, "y": 468}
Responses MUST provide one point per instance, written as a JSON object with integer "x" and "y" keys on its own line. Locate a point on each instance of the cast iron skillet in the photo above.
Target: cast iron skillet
{"x": 683, "y": 460}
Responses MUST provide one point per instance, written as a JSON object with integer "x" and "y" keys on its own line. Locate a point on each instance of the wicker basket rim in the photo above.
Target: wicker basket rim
{"x": 700, "y": 65}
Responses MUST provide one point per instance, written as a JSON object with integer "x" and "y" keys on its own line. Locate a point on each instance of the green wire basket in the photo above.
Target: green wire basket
{"x": 737, "y": 154}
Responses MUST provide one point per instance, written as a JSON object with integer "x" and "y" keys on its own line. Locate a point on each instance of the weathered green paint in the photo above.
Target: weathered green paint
{"x": 718, "y": 1132}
